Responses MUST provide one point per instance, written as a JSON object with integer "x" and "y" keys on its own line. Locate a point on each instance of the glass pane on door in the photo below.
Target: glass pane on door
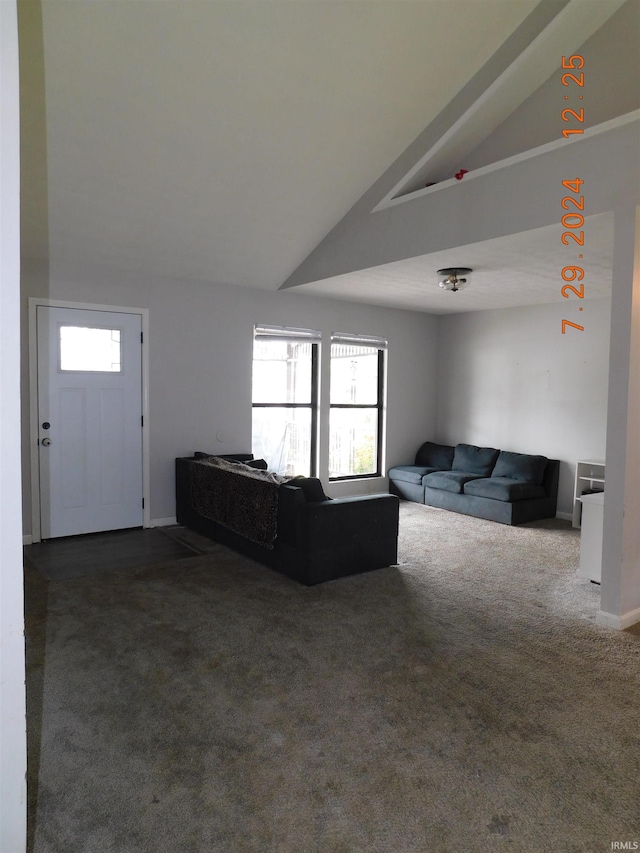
{"x": 90, "y": 350}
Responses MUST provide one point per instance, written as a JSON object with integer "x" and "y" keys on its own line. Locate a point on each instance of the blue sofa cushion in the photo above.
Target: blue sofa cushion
{"x": 436, "y": 456}
{"x": 474, "y": 460}
{"x": 520, "y": 466}
{"x": 410, "y": 473}
{"x": 503, "y": 489}
{"x": 448, "y": 481}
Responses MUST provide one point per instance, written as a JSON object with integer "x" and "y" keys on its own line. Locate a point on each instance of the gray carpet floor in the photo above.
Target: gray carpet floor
{"x": 463, "y": 700}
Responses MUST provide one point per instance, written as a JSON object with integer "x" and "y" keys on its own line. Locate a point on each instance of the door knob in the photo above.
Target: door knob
{"x": 46, "y": 442}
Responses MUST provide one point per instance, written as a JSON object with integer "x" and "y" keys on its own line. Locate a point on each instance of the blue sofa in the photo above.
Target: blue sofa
{"x": 499, "y": 485}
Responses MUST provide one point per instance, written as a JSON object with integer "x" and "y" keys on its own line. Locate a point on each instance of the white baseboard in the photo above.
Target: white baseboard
{"x": 610, "y": 620}
{"x": 565, "y": 516}
{"x": 27, "y": 538}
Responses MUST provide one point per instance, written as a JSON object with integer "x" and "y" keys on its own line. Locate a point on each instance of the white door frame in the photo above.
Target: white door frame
{"x": 34, "y": 301}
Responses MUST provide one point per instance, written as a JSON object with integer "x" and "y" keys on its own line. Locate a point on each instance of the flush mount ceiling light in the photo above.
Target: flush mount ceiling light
{"x": 449, "y": 278}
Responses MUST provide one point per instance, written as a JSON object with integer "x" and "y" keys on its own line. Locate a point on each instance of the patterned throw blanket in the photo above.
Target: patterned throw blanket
{"x": 240, "y": 498}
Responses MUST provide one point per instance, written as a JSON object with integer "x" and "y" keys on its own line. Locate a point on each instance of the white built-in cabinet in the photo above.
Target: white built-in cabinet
{"x": 589, "y": 477}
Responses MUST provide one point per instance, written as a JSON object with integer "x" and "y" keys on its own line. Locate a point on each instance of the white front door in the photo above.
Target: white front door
{"x": 89, "y": 420}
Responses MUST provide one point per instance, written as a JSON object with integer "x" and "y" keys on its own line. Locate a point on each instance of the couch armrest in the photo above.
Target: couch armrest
{"x": 343, "y": 521}
{"x": 551, "y": 478}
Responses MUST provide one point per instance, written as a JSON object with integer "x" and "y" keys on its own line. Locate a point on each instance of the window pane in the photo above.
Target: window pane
{"x": 354, "y": 374}
{"x": 353, "y": 442}
{"x": 86, "y": 349}
{"x": 283, "y": 438}
{"x": 281, "y": 372}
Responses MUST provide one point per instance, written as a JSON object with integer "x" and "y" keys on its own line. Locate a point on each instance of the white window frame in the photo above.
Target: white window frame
{"x": 381, "y": 345}
{"x": 297, "y": 335}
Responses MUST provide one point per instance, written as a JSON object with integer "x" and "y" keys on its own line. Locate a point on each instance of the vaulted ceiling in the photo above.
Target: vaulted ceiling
{"x": 221, "y": 140}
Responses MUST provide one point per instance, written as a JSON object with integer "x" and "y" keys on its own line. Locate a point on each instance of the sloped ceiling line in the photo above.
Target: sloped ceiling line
{"x": 564, "y": 34}
{"x": 604, "y": 127}
{"x": 390, "y": 257}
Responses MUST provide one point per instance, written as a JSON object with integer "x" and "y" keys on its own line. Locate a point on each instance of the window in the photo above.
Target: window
{"x": 285, "y": 399}
{"x": 356, "y": 418}
{"x": 90, "y": 350}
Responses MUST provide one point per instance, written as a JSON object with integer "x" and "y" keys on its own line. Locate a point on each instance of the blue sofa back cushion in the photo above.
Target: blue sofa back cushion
{"x": 520, "y": 466}
{"x": 474, "y": 460}
{"x": 438, "y": 456}
{"x": 410, "y": 473}
{"x": 448, "y": 481}
{"x": 503, "y": 489}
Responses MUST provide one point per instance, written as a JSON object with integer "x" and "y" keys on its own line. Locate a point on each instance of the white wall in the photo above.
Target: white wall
{"x": 620, "y": 589}
{"x": 507, "y": 378}
{"x": 13, "y": 758}
{"x": 201, "y": 338}
{"x": 510, "y": 379}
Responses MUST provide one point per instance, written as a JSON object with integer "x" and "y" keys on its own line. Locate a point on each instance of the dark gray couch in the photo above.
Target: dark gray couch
{"x": 511, "y": 488}
{"x": 316, "y": 538}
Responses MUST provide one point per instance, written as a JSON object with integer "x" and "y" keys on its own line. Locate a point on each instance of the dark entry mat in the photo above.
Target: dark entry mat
{"x": 95, "y": 553}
